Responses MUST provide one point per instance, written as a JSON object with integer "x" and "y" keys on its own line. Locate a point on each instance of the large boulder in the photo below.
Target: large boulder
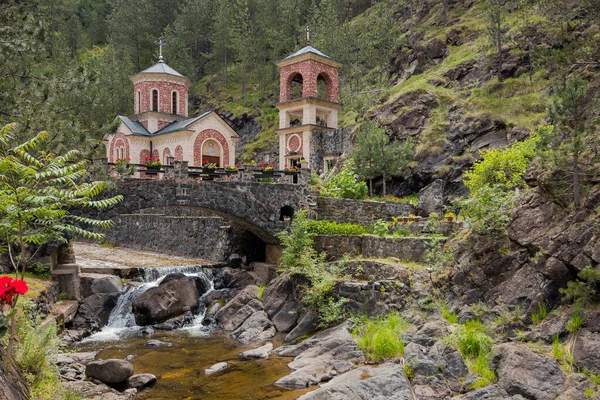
{"x": 521, "y": 371}
{"x": 112, "y": 371}
{"x": 99, "y": 283}
{"x": 257, "y": 327}
{"x": 175, "y": 295}
{"x": 490, "y": 392}
{"x": 586, "y": 351}
{"x": 386, "y": 382}
{"x": 238, "y": 309}
{"x": 281, "y": 304}
{"x": 94, "y": 311}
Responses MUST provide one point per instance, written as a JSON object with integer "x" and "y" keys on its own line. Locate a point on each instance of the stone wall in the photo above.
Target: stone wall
{"x": 334, "y": 142}
{"x": 367, "y": 246}
{"x": 359, "y": 211}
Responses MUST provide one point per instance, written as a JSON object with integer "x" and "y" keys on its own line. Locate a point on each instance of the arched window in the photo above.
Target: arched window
{"x": 139, "y": 102}
{"x": 323, "y": 86}
{"x": 174, "y": 102}
{"x": 155, "y": 100}
{"x": 296, "y": 86}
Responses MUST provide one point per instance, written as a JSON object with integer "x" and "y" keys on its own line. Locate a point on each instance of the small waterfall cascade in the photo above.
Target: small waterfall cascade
{"x": 121, "y": 321}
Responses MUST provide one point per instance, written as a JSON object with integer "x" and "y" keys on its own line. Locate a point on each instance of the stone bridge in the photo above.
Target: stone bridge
{"x": 257, "y": 207}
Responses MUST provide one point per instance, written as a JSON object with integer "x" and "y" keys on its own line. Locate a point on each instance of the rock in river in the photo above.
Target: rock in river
{"x": 175, "y": 295}
{"x": 110, "y": 371}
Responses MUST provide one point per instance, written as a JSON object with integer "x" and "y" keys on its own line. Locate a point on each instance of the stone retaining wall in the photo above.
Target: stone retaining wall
{"x": 368, "y": 246}
{"x": 359, "y": 211}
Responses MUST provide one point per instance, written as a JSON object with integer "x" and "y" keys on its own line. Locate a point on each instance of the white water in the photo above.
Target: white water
{"x": 121, "y": 321}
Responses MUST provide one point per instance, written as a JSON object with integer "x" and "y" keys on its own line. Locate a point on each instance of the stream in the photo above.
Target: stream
{"x": 180, "y": 367}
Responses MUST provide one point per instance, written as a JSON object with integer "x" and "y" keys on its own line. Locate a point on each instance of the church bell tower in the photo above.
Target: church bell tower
{"x": 309, "y": 101}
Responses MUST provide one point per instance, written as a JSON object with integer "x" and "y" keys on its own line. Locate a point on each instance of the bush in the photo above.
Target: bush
{"x": 381, "y": 339}
{"x": 323, "y": 227}
{"x": 585, "y": 290}
{"x": 381, "y": 228}
{"x": 345, "y": 184}
{"x": 488, "y": 209}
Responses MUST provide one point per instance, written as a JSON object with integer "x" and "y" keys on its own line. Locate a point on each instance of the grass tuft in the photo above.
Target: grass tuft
{"x": 381, "y": 339}
{"x": 541, "y": 314}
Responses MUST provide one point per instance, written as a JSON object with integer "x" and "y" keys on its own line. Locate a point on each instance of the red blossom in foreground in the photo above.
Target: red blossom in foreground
{"x": 9, "y": 287}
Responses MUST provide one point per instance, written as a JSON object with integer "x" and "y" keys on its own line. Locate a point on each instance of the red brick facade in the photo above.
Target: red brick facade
{"x": 165, "y": 93}
{"x": 210, "y": 134}
{"x": 120, "y": 140}
{"x": 162, "y": 124}
{"x": 310, "y": 71}
{"x": 178, "y": 153}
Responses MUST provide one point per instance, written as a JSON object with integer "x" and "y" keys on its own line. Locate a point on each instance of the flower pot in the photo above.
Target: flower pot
{"x": 209, "y": 170}
{"x": 268, "y": 173}
{"x": 151, "y": 171}
{"x": 411, "y": 219}
{"x": 449, "y": 219}
{"x": 290, "y": 172}
{"x": 405, "y": 220}
{"x": 417, "y": 219}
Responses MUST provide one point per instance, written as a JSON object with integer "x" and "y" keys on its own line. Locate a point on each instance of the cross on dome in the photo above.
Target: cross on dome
{"x": 160, "y": 46}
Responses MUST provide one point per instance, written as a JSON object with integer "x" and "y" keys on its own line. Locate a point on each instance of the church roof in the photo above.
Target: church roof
{"x": 305, "y": 50}
{"x": 179, "y": 125}
{"x": 161, "y": 68}
{"x": 134, "y": 126}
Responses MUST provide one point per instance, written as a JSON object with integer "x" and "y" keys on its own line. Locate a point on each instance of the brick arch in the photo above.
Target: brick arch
{"x": 328, "y": 85}
{"x": 155, "y": 154}
{"x": 290, "y": 81}
{"x": 210, "y": 134}
{"x": 178, "y": 153}
{"x": 166, "y": 153}
{"x": 143, "y": 155}
{"x": 310, "y": 70}
{"x": 119, "y": 140}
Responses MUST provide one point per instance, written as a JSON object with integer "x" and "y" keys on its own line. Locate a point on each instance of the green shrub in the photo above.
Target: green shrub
{"x": 36, "y": 346}
{"x": 315, "y": 179}
{"x": 381, "y": 228}
{"x": 472, "y": 341}
{"x": 345, "y": 184}
{"x": 381, "y": 339}
{"x": 575, "y": 320}
{"x": 540, "y": 314}
{"x": 585, "y": 290}
{"x": 437, "y": 255}
{"x": 322, "y": 227}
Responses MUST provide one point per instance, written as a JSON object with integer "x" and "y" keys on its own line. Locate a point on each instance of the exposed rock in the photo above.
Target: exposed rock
{"x": 110, "y": 371}
{"x": 490, "y": 392}
{"x": 238, "y": 309}
{"x": 432, "y": 198}
{"x": 257, "y": 327}
{"x": 449, "y": 360}
{"x": 586, "y": 351}
{"x": 215, "y": 368}
{"x": 453, "y": 38}
{"x": 429, "y": 332}
{"x": 307, "y": 323}
{"x": 73, "y": 358}
{"x": 387, "y": 382}
{"x": 175, "y": 295}
{"x": 260, "y": 352}
{"x": 320, "y": 357}
{"x": 408, "y": 114}
{"x": 524, "y": 372}
{"x": 237, "y": 278}
{"x": 281, "y": 304}
{"x": 158, "y": 343}
{"x": 94, "y": 311}
{"x": 575, "y": 387}
{"x": 90, "y": 390}
{"x": 140, "y": 381}
{"x": 99, "y": 283}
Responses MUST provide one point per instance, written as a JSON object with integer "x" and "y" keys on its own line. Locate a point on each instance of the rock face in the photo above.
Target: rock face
{"x": 245, "y": 318}
{"x": 98, "y": 283}
{"x": 586, "y": 351}
{"x": 319, "y": 358}
{"x": 281, "y": 303}
{"x": 432, "y": 198}
{"x": 524, "y": 372}
{"x": 112, "y": 371}
{"x": 94, "y": 311}
{"x": 387, "y": 382}
{"x": 175, "y": 295}
{"x": 140, "y": 381}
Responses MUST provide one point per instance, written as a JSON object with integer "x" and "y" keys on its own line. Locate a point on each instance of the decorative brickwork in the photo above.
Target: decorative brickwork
{"x": 165, "y": 92}
{"x": 120, "y": 140}
{"x": 162, "y": 124}
{"x": 166, "y": 153}
{"x": 178, "y": 153}
{"x": 143, "y": 155}
{"x": 293, "y": 143}
{"x": 310, "y": 71}
{"x": 210, "y": 134}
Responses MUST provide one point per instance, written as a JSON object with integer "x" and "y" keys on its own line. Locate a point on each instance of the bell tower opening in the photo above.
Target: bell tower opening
{"x": 155, "y": 100}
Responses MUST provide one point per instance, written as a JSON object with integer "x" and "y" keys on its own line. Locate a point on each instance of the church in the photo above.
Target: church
{"x": 161, "y": 130}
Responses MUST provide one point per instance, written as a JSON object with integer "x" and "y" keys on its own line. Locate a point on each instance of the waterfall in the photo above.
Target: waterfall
{"x": 121, "y": 321}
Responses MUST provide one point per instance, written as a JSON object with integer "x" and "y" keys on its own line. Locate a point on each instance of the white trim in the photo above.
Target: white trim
{"x": 287, "y": 145}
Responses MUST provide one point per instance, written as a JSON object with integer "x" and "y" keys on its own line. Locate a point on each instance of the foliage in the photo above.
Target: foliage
{"x": 154, "y": 163}
{"x": 381, "y": 228}
{"x": 10, "y": 289}
{"x": 300, "y": 258}
{"x": 488, "y": 210}
{"x": 585, "y": 290}
{"x": 36, "y": 192}
{"x": 261, "y": 290}
{"x": 562, "y": 354}
{"x": 541, "y": 314}
{"x": 448, "y": 315}
{"x": 315, "y": 179}
{"x": 322, "y": 227}
{"x": 437, "y": 254}
{"x": 475, "y": 346}
{"x": 375, "y": 156}
{"x": 576, "y": 319}
{"x": 381, "y": 339}
{"x": 345, "y": 184}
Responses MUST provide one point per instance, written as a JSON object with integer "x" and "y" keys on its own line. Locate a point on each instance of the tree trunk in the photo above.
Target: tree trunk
{"x": 370, "y": 187}
{"x": 384, "y": 185}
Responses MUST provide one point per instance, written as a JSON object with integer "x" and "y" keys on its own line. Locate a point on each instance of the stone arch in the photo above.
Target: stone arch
{"x": 210, "y": 134}
{"x": 295, "y": 85}
{"x": 166, "y": 155}
{"x": 178, "y": 153}
{"x": 119, "y": 141}
{"x": 286, "y": 212}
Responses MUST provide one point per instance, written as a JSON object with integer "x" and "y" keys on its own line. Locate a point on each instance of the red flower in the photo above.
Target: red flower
{"x": 262, "y": 165}
{"x": 8, "y": 288}
{"x": 20, "y": 286}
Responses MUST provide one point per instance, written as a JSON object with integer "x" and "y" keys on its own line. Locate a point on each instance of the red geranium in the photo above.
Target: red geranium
{"x": 9, "y": 287}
